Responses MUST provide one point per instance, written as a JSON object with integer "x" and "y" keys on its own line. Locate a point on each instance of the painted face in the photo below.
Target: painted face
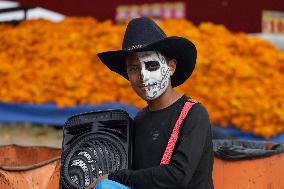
{"x": 154, "y": 73}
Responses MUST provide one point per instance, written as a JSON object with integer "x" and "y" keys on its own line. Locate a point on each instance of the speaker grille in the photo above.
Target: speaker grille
{"x": 94, "y": 146}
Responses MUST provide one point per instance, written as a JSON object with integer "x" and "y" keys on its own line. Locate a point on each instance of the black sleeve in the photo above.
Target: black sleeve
{"x": 184, "y": 162}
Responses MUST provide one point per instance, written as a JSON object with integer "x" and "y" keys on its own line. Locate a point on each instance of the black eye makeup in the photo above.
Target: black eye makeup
{"x": 152, "y": 65}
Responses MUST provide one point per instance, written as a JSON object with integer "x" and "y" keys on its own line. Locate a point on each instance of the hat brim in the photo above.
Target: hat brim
{"x": 172, "y": 47}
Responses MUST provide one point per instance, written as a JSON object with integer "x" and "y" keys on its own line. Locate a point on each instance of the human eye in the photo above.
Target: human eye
{"x": 152, "y": 65}
{"x": 132, "y": 68}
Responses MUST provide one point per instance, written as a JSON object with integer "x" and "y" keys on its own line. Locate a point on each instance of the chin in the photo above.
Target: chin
{"x": 147, "y": 99}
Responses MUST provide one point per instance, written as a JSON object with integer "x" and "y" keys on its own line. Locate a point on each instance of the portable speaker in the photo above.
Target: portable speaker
{"x": 94, "y": 144}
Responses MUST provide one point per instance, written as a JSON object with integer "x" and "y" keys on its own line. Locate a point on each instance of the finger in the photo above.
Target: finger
{"x": 92, "y": 185}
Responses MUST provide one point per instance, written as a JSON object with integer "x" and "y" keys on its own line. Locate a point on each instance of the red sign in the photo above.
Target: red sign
{"x": 273, "y": 22}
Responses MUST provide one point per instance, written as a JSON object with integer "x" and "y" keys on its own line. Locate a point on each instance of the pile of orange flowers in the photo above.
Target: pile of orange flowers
{"x": 238, "y": 78}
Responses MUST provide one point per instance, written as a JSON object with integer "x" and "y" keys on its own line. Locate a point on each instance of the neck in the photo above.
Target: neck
{"x": 165, "y": 100}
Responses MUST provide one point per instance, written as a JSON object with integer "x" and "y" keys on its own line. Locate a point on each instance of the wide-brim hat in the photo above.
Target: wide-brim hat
{"x": 143, "y": 34}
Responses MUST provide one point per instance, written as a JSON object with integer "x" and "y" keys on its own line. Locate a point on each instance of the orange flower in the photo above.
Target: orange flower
{"x": 238, "y": 78}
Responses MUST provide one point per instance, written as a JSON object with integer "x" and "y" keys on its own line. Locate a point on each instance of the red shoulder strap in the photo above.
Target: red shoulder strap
{"x": 174, "y": 136}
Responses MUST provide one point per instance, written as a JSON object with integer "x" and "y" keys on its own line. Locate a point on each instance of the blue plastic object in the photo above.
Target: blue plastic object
{"x": 52, "y": 115}
{"x": 109, "y": 184}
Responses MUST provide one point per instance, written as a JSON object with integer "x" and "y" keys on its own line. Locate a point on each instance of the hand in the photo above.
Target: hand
{"x": 92, "y": 185}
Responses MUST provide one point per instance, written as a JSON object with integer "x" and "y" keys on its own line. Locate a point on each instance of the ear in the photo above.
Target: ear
{"x": 172, "y": 63}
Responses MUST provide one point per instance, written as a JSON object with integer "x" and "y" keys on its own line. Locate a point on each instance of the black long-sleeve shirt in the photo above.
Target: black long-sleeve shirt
{"x": 192, "y": 160}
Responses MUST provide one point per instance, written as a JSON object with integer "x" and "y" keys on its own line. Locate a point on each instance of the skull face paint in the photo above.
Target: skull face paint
{"x": 155, "y": 73}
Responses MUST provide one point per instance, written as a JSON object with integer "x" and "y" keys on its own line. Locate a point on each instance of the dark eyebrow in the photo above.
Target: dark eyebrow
{"x": 131, "y": 65}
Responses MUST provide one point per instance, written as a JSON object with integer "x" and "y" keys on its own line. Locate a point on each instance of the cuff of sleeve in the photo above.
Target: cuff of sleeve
{"x": 120, "y": 176}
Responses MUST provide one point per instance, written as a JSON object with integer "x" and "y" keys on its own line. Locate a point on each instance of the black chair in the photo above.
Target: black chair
{"x": 94, "y": 144}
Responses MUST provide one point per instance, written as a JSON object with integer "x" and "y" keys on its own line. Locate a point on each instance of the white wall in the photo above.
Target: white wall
{"x": 31, "y": 14}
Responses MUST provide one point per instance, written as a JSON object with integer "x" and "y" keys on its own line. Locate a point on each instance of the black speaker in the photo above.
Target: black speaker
{"x": 94, "y": 144}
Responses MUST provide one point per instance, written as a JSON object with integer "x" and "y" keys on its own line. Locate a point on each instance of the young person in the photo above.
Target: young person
{"x": 155, "y": 64}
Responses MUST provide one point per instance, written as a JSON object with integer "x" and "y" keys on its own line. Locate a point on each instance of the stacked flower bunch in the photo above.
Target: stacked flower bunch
{"x": 238, "y": 78}
{"x": 42, "y": 62}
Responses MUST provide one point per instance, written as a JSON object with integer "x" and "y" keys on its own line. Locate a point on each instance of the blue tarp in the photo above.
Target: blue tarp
{"x": 49, "y": 114}
{"x": 232, "y": 132}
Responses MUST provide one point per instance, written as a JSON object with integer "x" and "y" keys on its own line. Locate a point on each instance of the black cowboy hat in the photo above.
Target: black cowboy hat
{"x": 143, "y": 34}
